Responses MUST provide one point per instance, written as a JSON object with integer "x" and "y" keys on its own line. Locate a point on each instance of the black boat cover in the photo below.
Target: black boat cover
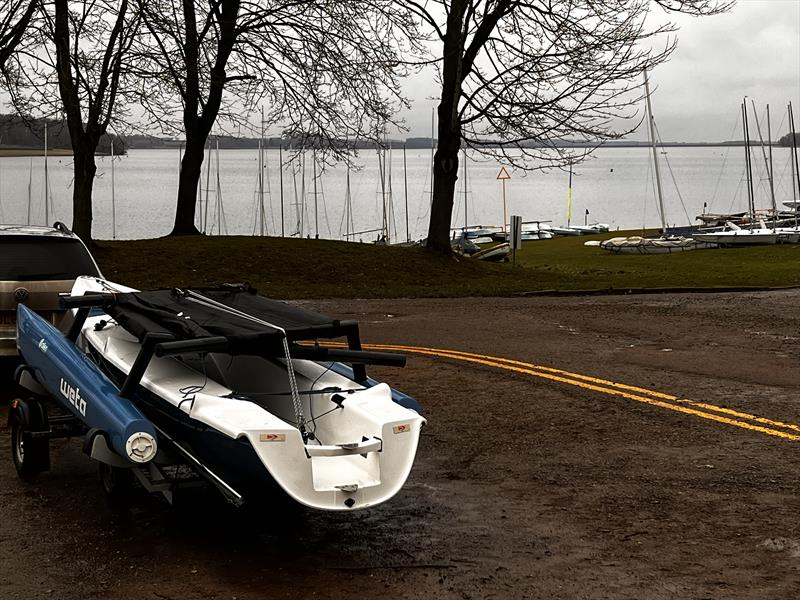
{"x": 186, "y": 315}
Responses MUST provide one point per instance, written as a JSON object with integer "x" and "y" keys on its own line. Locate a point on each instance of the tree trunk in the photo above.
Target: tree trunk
{"x": 445, "y": 175}
{"x": 84, "y": 173}
{"x": 445, "y": 161}
{"x": 191, "y": 167}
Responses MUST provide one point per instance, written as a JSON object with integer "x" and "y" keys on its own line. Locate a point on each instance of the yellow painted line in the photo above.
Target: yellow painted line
{"x": 457, "y": 354}
{"x": 642, "y": 395}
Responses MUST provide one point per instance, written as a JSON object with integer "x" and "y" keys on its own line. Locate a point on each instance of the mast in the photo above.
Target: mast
{"x": 748, "y": 165}
{"x": 569, "y": 197}
{"x": 382, "y": 173}
{"x": 794, "y": 150}
{"x": 652, "y": 133}
{"x": 348, "y": 208}
{"x": 30, "y": 185}
{"x": 793, "y": 160}
{"x": 280, "y": 170}
{"x": 113, "y": 198}
{"x": 405, "y": 190}
{"x": 389, "y": 198}
{"x": 433, "y": 170}
{"x": 208, "y": 185}
{"x": 771, "y": 172}
{"x": 46, "y": 180}
{"x": 764, "y": 155}
{"x": 261, "y": 174}
{"x": 464, "y": 155}
{"x": 316, "y": 207}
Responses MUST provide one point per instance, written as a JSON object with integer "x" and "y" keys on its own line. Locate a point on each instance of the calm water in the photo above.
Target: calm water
{"x": 616, "y": 187}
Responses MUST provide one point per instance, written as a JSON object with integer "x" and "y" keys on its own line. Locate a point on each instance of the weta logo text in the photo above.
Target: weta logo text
{"x": 74, "y": 396}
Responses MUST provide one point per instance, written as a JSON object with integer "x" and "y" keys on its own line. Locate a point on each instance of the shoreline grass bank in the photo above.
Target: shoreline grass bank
{"x": 301, "y": 268}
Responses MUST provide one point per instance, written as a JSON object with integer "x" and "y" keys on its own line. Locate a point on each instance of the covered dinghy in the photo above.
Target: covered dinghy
{"x": 254, "y": 389}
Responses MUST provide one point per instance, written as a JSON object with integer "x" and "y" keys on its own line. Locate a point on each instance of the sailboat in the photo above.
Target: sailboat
{"x": 665, "y": 243}
{"x": 758, "y": 234}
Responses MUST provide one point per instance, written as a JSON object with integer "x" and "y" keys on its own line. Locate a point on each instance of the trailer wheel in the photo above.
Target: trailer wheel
{"x": 31, "y": 455}
{"x": 117, "y": 484}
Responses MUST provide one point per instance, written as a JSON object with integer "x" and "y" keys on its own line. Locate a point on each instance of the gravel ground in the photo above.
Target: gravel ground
{"x": 524, "y": 486}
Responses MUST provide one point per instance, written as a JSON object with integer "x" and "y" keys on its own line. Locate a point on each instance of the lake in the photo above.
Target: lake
{"x": 616, "y": 186}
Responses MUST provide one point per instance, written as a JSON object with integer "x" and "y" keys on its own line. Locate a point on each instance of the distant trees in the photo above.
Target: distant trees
{"x": 786, "y": 140}
{"x": 325, "y": 69}
{"x": 513, "y": 71}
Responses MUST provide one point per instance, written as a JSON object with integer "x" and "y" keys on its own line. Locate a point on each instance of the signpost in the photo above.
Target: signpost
{"x": 503, "y": 176}
{"x": 515, "y": 236}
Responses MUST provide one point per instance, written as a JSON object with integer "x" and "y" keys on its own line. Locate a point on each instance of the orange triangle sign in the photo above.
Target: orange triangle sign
{"x": 503, "y": 174}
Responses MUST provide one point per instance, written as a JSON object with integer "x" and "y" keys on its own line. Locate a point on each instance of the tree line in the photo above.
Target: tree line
{"x": 513, "y": 76}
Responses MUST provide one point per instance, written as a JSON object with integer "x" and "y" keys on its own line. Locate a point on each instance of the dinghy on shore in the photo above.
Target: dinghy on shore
{"x": 240, "y": 390}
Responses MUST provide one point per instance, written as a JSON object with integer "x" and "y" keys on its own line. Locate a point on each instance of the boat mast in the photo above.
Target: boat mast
{"x": 405, "y": 190}
{"x": 433, "y": 170}
{"x": 30, "y": 186}
{"x": 771, "y": 172}
{"x": 261, "y": 175}
{"x": 569, "y": 197}
{"x": 113, "y": 198}
{"x": 208, "y": 185}
{"x": 750, "y": 194}
{"x": 316, "y": 207}
{"x": 46, "y": 180}
{"x": 348, "y": 207}
{"x": 652, "y": 133}
{"x": 464, "y": 155}
{"x": 280, "y": 170}
{"x": 764, "y": 155}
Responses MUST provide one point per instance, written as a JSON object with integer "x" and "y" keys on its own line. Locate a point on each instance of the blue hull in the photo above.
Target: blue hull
{"x": 77, "y": 383}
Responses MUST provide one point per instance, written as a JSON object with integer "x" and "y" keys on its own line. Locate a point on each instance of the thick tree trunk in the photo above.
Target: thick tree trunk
{"x": 445, "y": 175}
{"x": 445, "y": 161}
{"x": 84, "y": 173}
{"x": 191, "y": 168}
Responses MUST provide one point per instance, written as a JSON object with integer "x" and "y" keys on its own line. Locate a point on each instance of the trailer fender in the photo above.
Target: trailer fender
{"x": 25, "y": 379}
{"x": 32, "y": 415}
{"x": 96, "y": 446}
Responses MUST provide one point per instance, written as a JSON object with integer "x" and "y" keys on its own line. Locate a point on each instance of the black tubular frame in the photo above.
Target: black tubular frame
{"x": 164, "y": 344}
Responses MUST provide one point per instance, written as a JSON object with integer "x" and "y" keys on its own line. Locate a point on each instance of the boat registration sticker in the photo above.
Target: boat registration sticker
{"x": 272, "y": 437}
{"x": 404, "y": 428}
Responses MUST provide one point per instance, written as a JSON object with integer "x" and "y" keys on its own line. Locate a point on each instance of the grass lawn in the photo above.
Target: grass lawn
{"x": 291, "y": 268}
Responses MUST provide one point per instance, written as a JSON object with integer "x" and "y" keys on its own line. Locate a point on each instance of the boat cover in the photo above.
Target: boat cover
{"x": 184, "y": 316}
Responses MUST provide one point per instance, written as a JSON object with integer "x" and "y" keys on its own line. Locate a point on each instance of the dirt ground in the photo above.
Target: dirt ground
{"x": 523, "y": 487}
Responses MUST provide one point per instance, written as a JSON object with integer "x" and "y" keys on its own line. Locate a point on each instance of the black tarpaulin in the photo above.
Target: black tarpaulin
{"x": 190, "y": 314}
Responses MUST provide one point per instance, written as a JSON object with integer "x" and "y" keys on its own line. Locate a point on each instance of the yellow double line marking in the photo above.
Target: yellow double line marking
{"x": 703, "y": 410}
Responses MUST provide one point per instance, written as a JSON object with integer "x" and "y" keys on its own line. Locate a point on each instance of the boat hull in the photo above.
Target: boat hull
{"x": 76, "y": 383}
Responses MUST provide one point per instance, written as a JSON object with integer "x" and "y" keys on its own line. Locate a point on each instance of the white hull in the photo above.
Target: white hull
{"x": 741, "y": 237}
{"x": 360, "y": 454}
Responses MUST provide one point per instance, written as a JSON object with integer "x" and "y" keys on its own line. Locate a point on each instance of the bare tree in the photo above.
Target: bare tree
{"x": 15, "y": 15}
{"x": 79, "y": 52}
{"x": 325, "y": 69}
{"x": 519, "y": 77}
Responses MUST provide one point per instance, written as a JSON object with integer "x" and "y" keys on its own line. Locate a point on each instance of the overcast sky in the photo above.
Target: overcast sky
{"x": 752, "y": 51}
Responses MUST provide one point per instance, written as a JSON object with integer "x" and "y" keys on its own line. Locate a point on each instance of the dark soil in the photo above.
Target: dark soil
{"x": 523, "y": 488}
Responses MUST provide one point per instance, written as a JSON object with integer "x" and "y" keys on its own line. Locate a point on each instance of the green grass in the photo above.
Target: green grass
{"x": 291, "y": 268}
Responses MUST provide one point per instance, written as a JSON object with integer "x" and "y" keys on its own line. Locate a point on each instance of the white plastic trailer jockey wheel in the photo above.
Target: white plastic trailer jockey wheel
{"x": 29, "y": 451}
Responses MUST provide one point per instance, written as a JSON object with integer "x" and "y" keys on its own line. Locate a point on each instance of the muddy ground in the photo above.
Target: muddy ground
{"x": 523, "y": 487}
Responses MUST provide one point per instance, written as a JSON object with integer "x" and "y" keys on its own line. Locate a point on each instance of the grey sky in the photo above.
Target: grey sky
{"x": 752, "y": 51}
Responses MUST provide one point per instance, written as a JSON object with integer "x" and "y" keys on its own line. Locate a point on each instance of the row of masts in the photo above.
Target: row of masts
{"x": 793, "y": 160}
{"x": 211, "y": 211}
